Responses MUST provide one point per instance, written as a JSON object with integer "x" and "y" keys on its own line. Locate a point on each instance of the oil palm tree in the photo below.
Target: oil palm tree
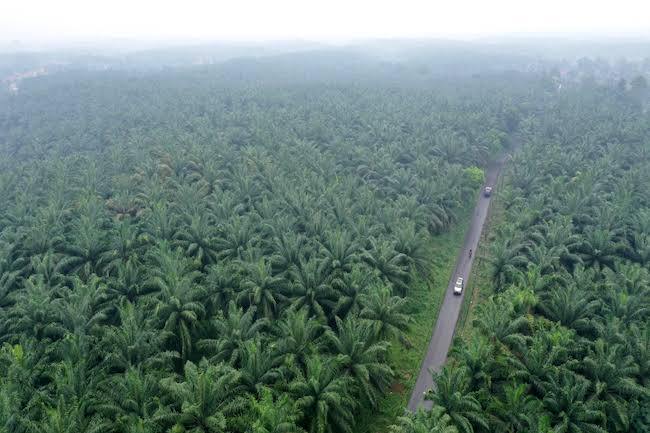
{"x": 130, "y": 400}
{"x": 220, "y": 283}
{"x": 598, "y": 248}
{"x": 498, "y": 322}
{"x": 124, "y": 242}
{"x": 297, "y": 337}
{"x": 309, "y": 287}
{"x": 505, "y": 259}
{"x": 45, "y": 266}
{"x": 361, "y": 356}
{"x": 391, "y": 265}
{"x": 630, "y": 277}
{"x": 235, "y": 237}
{"x": 570, "y": 410}
{"x": 206, "y": 399}
{"x": 288, "y": 249}
{"x": 629, "y": 308}
{"x": 34, "y": 313}
{"x": 127, "y": 282}
{"x": 323, "y": 397}
{"x": 425, "y": 421}
{"x": 477, "y": 356}
{"x": 178, "y": 298}
{"x": 63, "y": 417}
{"x": 453, "y": 396}
{"x": 350, "y": 289}
{"x": 160, "y": 223}
{"x": 198, "y": 239}
{"x": 84, "y": 251}
{"x": 273, "y": 415}
{"x": 258, "y": 367}
{"x": 413, "y": 245}
{"x": 569, "y": 306}
{"x": 339, "y": 253}
{"x": 533, "y": 278}
{"x": 135, "y": 341}
{"x": 387, "y": 313}
{"x": 414, "y": 211}
{"x": 259, "y": 288}
{"x": 545, "y": 352}
{"x": 547, "y": 259}
{"x": 9, "y": 280}
{"x": 639, "y": 347}
{"x": 612, "y": 380}
{"x": 228, "y": 335}
{"x": 515, "y": 410}
{"x": 641, "y": 248}
{"x": 75, "y": 381}
{"x": 46, "y": 233}
{"x": 83, "y": 308}
{"x": 188, "y": 196}
{"x": 24, "y": 367}
{"x": 180, "y": 315}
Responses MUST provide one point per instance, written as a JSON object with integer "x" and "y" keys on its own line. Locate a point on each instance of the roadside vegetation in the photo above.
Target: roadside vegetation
{"x": 424, "y": 301}
{"x": 561, "y": 339}
{"x": 479, "y": 283}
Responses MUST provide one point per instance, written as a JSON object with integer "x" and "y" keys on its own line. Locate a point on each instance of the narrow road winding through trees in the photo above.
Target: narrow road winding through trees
{"x": 445, "y": 326}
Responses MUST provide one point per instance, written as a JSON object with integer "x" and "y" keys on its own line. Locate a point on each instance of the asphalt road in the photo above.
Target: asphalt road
{"x": 443, "y": 332}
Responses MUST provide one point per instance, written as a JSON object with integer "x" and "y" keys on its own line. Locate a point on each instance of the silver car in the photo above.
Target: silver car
{"x": 458, "y": 288}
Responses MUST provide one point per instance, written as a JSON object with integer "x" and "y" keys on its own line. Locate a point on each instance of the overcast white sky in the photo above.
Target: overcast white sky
{"x": 314, "y": 19}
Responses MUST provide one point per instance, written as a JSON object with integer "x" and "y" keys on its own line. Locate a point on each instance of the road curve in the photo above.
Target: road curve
{"x": 443, "y": 332}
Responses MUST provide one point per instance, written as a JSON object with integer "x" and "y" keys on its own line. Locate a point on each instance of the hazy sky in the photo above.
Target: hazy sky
{"x": 314, "y": 19}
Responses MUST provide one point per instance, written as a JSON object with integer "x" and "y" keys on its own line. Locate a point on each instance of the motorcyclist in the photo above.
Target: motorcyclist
{"x": 470, "y": 252}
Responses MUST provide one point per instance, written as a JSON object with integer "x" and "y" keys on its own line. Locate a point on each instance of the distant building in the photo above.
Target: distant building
{"x": 13, "y": 80}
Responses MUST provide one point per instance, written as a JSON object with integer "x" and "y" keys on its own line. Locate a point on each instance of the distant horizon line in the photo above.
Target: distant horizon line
{"x": 579, "y": 36}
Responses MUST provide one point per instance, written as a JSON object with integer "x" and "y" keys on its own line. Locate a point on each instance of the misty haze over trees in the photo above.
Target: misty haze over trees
{"x": 257, "y": 238}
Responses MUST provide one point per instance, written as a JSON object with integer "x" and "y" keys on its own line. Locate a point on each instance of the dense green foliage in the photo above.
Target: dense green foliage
{"x": 187, "y": 251}
{"x": 563, "y": 342}
{"x": 231, "y": 248}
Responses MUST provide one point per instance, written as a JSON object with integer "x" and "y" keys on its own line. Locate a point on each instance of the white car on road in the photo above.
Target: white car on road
{"x": 487, "y": 191}
{"x": 458, "y": 288}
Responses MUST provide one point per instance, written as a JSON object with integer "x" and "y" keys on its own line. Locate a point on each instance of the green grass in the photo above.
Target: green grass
{"x": 478, "y": 279}
{"x": 425, "y": 298}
